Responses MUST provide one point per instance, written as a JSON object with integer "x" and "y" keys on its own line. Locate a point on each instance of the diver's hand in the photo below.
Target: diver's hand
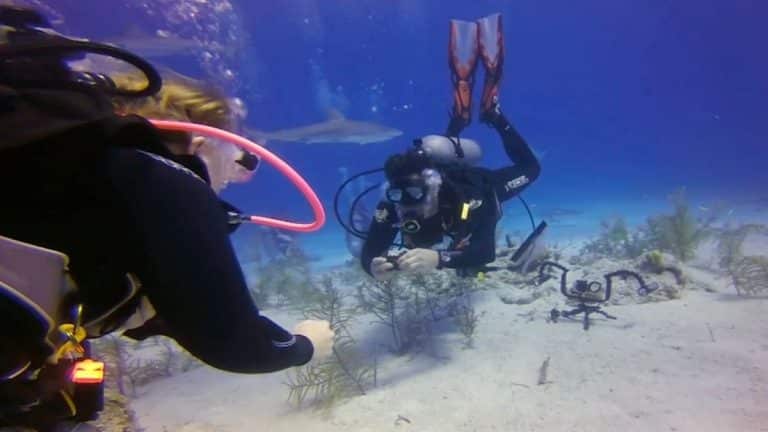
{"x": 381, "y": 269}
{"x": 419, "y": 260}
{"x": 320, "y": 334}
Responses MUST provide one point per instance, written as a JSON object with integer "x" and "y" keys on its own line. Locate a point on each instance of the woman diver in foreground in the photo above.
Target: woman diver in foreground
{"x": 432, "y": 190}
{"x": 98, "y": 201}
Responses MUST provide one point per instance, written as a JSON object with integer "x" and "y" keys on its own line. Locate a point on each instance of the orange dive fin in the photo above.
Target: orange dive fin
{"x": 491, "y": 44}
{"x": 462, "y": 60}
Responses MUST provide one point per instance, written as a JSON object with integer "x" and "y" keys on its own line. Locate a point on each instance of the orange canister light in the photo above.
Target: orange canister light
{"x": 88, "y": 371}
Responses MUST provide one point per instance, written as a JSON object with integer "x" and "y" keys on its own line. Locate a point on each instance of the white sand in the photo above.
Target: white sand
{"x": 654, "y": 369}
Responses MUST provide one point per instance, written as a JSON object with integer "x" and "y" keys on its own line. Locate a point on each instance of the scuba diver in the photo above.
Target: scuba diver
{"x": 102, "y": 228}
{"x": 432, "y": 190}
{"x": 215, "y": 162}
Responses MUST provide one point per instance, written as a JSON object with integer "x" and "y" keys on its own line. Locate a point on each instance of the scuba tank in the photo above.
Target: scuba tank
{"x": 443, "y": 150}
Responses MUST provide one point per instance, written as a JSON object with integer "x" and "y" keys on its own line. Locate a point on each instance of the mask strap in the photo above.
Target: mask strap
{"x": 457, "y": 147}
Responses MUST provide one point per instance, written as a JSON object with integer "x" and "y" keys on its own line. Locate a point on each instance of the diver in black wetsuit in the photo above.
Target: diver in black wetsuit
{"x": 427, "y": 201}
{"x": 137, "y": 226}
{"x": 164, "y": 225}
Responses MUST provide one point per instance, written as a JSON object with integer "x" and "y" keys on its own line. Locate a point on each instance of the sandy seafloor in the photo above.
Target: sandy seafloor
{"x": 698, "y": 363}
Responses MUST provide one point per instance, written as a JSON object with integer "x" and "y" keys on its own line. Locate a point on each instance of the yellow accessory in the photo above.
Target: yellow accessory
{"x": 75, "y": 334}
{"x": 88, "y": 371}
{"x": 69, "y": 402}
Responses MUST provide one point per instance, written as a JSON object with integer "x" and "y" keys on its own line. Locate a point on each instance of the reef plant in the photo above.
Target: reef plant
{"x": 749, "y": 274}
{"x": 346, "y": 372}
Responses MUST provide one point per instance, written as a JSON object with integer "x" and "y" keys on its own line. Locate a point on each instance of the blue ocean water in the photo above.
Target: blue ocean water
{"x": 625, "y": 102}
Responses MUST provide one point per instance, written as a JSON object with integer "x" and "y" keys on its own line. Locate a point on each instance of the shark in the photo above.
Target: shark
{"x": 336, "y": 129}
{"x": 162, "y": 44}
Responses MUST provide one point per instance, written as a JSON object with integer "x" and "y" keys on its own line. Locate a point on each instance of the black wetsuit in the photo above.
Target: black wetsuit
{"x": 472, "y": 240}
{"x": 100, "y": 194}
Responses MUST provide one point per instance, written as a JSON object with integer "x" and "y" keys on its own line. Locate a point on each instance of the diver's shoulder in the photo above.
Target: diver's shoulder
{"x": 464, "y": 170}
{"x": 469, "y": 175}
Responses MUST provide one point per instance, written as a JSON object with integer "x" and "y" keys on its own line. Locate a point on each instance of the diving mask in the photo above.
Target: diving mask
{"x": 407, "y": 192}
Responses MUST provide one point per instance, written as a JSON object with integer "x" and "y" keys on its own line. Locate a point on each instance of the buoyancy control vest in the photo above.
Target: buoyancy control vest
{"x": 46, "y": 373}
{"x": 45, "y": 338}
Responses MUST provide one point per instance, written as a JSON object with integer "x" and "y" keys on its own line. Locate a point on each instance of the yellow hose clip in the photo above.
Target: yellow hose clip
{"x": 465, "y": 211}
{"x": 75, "y": 334}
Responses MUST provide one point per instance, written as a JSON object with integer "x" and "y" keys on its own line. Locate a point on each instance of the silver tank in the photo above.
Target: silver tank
{"x": 442, "y": 150}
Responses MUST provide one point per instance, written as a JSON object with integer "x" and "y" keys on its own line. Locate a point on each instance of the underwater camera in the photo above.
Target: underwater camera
{"x": 589, "y": 294}
{"x": 589, "y": 291}
{"x": 394, "y": 259}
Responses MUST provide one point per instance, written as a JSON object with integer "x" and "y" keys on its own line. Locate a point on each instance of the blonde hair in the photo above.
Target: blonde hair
{"x": 180, "y": 98}
{"x": 185, "y": 99}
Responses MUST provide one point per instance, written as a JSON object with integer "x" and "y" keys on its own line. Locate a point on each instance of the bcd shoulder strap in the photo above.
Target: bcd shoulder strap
{"x": 29, "y": 115}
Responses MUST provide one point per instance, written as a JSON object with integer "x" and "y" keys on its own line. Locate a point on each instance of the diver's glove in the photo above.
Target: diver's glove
{"x": 493, "y": 115}
{"x": 419, "y": 260}
{"x": 320, "y": 333}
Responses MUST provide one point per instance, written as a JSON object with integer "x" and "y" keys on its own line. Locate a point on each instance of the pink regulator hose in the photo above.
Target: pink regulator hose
{"x": 266, "y": 156}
